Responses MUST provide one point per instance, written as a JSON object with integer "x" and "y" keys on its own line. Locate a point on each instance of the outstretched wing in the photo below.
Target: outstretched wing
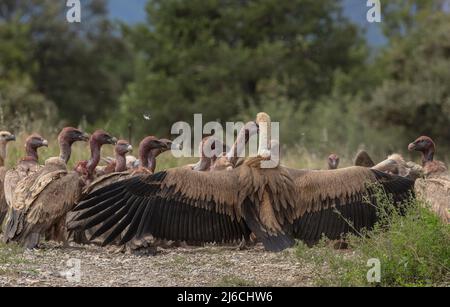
{"x": 339, "y": 201}
{"x": 177, "y": 204}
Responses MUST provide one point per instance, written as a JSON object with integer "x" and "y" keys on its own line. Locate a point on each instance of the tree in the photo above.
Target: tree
{"x": 215, "y": 56}
{"x": 81, "y": 67}
{"x": 415, "y": 93}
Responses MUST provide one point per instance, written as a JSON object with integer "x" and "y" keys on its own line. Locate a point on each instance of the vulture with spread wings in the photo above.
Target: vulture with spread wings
{"x": 276, "y": 204}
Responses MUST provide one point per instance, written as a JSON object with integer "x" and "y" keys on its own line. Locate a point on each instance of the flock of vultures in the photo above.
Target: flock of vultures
{"x": 222, "y": 199}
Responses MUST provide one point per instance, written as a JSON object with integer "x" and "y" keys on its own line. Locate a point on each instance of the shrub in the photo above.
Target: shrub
{"x": 412, "y": 247}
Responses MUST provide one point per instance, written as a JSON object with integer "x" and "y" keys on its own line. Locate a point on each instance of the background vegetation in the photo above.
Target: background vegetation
{"x": 412, "y": 247}
{"x": 300, "y": 60}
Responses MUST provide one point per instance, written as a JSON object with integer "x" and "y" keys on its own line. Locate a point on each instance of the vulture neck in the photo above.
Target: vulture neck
{"x": 2, "y": 153}
{"x": 31, "y": 152}
{"x": 148, "y": 159}
{"x": 95, "y": 156}
{"x": 427, "y": 156}
{"x": 238, "y": 147}
{"x": 121, "y": 163}
{"x": 65, "y": 151}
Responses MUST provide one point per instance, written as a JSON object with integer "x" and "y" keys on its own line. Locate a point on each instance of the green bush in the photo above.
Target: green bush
{"x": 413, "y": 248}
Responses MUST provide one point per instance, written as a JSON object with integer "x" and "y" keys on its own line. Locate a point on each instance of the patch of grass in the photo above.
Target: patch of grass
{"x": 179, "y": 260}
{"x": 413, "y": 247}
{"x": 234, "y": 281}
{"x": 10, "y": 255}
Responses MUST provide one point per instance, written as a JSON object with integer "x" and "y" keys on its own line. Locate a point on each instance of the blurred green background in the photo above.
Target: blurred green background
{"x": 302, "y": 61}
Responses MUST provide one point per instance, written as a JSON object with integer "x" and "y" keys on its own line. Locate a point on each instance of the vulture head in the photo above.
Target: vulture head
{"x": 32, "y": 143}
{"x": 333, "y": 161}
{"x": 6, "y": 136}
{"x": 66, "y": 138}
{"x": 35, "y": 141}
{"x": 70, "y": 135}
{"x": 148, "y": 150}
{"x": 425, "y": 145}
{"x": 168, "y": 144}
{"x": 101, "y": 137}
{"x": 422, "y": 143}
{"x": 123, "y": 147}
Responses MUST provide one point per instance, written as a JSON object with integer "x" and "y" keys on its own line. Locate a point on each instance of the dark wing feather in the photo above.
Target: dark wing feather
{"x": 152, "y": 205}
{"x": 332, "y": 203}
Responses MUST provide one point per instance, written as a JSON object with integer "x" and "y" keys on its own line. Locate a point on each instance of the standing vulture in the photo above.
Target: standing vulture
{"x": 43, "y": 199}
{"x": 426, "y": 146}
{"x": 276, "y": 204}
{"x": 5, "y": 138}
{"x": 26, "y": 166}
{"x": 435, "y": 187}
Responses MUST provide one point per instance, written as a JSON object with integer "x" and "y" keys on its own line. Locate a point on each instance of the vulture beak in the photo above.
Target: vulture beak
{"x": 112, "y": 141}
{"x": 158, "y": 144}
{"x": 411, "y": 146}
{"x": 45, "y": 143}
{"x": 11, "y": 137}
{"x": 130, "y": 148}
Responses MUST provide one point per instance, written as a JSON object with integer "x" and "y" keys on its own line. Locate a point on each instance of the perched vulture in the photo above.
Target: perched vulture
{"x": 26, "y": 166}
{"x": 435, "y": 187}
{"x": 363, "y": 159}
{"x": 426, "y": 146}
{"x": 333, "y": 161}
{"x": 43, "y": 199}
{"x": 5, "y": 137}
{"x": 276, "y": 204}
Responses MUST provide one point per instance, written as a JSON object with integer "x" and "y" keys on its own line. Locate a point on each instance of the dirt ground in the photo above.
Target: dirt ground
{"x": 53, "y": 265}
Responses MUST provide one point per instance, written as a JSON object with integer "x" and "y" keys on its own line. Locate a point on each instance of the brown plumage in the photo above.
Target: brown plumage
{"x": 395, "y": 164}
{"x": 276, "y": 204}
{"x": 435, "y": 187}
{"x": 149, "y": 147}
{"x": 333, "y": 161}
{"x": 26, "y": 166}
{"x": 5, "y": 138}
{"x": 426, "y": 146}
{"x": 362, "y": 158}
{"x": 42, "y": 199}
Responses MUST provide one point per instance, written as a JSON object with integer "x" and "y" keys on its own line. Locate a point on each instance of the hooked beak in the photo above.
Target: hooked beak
{"x": 130, "y": 148}
{"x": 11, "y": 137}
{"x": 158, "y": 144}
{"x": 45, "y": 143}
{"x": 112, "y": 141}
{"x": 411, "y": 146}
